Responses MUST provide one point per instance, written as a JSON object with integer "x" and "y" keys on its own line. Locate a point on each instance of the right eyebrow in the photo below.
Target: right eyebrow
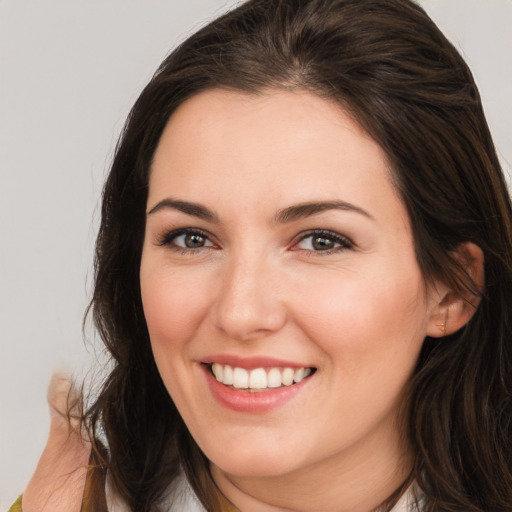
{"x": 194, "y": 209}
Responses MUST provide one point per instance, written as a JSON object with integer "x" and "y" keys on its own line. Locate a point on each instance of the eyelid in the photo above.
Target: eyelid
{"x": 169, "y": 235}
{"x": 344, "y": 242}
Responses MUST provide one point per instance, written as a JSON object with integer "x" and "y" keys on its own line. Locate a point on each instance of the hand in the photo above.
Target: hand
{"x": 58, "y": 482}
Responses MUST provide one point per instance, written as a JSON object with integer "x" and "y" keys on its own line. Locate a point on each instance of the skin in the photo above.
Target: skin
{"x": 358, "y": 314}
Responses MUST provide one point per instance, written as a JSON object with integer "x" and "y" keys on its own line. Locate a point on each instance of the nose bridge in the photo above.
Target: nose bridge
{"x": 248, "y": 304}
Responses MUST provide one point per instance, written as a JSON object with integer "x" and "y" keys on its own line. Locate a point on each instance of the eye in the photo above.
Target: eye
{"x": 321, "y": 240}
{"x": 186, "y": 238}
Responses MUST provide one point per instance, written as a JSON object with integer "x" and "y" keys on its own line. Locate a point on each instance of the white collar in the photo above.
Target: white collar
{"x": 409, "y": 499}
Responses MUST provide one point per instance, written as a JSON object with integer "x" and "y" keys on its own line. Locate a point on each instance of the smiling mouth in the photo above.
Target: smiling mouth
{"x": 258, "y": 379}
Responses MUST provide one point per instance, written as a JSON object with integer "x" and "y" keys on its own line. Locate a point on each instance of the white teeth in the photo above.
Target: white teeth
{"x": 228, "y": 376}
{"x": 217, "y": 371}
{"x": 274, "y": 378}
{"x": 299, "y": 374}
{"x": 258, "y": 378}
{"x": 240, "y": 378}
{"x": 287, "y": 376}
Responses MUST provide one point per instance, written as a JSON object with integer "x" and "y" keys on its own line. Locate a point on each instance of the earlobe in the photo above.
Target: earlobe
{"x": 454, "y": 308}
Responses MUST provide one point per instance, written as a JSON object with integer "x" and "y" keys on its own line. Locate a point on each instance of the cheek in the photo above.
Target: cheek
{"x": 379, "y": 317}
{"x": 174, "y": 310}
{"x": 173, "y": 306}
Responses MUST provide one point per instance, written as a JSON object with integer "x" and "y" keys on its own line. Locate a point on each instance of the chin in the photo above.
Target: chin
{"x": 256, "y": 463}
{"x": 253, "y": 469}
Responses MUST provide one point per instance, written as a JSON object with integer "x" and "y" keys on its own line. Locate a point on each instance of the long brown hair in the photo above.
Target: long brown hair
{"x": 386, "y": 63}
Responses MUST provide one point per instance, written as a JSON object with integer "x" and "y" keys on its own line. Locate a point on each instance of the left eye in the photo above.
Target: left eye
{"x": 323, "y": 241}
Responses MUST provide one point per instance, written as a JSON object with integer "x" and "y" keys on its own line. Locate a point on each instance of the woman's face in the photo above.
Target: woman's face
{"x": 277, "y": 248}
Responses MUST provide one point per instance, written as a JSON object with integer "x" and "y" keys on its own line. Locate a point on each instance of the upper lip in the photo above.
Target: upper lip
{"x": 252, "y": 362}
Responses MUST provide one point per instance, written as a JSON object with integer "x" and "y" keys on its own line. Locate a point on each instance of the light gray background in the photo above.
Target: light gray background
{"x": 69, "y": 72}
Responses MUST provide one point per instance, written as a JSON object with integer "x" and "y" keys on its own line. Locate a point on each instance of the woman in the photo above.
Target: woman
{"x": 303, "y": 276}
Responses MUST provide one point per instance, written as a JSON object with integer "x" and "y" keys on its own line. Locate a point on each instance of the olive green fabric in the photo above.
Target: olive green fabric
{"x": 17, "y": 506}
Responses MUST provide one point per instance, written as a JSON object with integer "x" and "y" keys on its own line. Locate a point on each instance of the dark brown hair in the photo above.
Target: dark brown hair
{"x": 386, "y": 63}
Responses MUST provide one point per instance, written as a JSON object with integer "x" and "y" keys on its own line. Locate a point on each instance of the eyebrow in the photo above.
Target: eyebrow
{"x": 289, "y": 214}
{"x": 187, "y": 207}
{"x": 300, "y": 211}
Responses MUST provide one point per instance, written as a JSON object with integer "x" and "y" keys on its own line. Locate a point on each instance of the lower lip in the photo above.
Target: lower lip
{"x": 252, "y": 401}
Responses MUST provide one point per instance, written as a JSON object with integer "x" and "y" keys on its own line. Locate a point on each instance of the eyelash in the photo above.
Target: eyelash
{"x": 344, "y": 243}
{"x": 168, "y": 239}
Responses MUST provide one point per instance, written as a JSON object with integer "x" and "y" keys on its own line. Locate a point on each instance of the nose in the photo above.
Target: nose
{"x": 249, "y": 304}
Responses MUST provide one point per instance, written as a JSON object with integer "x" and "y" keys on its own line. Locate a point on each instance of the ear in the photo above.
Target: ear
{"x": 452, "y": 309}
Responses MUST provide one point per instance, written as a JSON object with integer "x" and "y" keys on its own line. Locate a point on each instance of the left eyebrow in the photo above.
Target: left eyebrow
{"x": 302, "y": 210}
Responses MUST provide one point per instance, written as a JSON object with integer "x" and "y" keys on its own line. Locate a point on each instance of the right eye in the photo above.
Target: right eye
{"x": 186, "y": 239}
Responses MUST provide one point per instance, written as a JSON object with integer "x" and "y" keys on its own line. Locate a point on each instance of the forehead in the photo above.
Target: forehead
{"x": 275, "y": 146}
